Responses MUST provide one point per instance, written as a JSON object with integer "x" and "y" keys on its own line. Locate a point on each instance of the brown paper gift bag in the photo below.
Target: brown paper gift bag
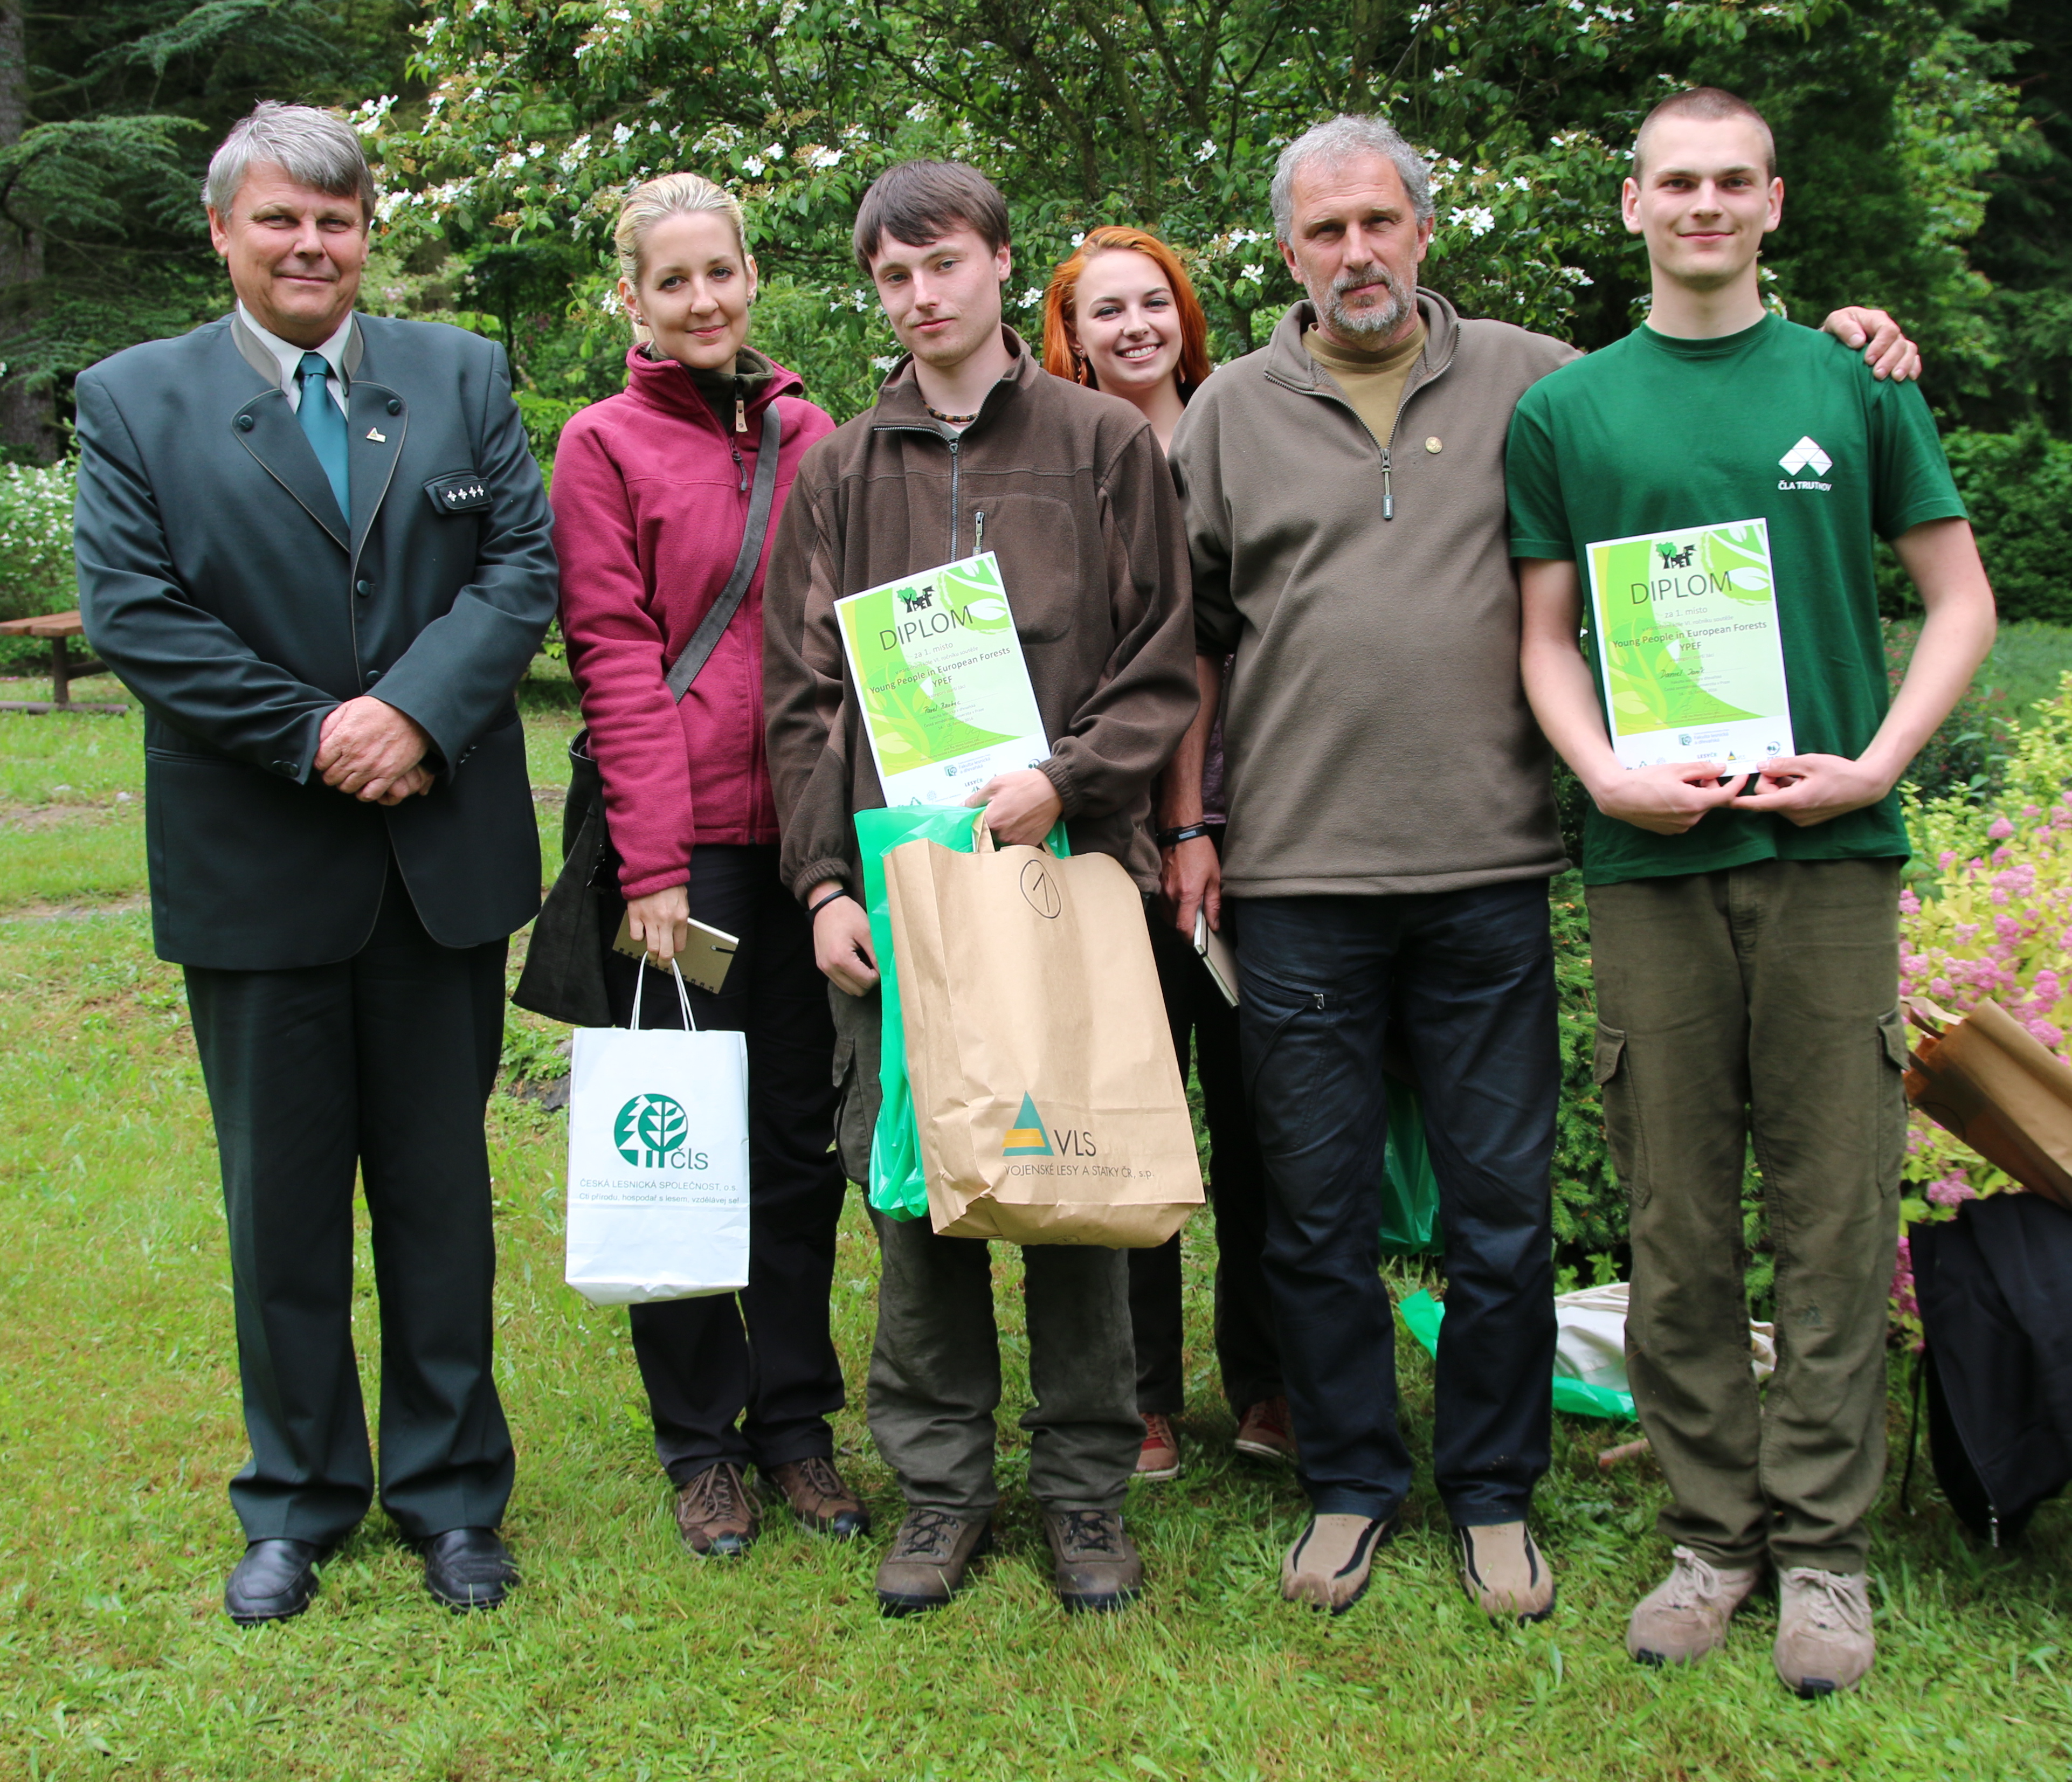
{"x": 1992, "y": 1083}
{"x": 1049, "y": 1107}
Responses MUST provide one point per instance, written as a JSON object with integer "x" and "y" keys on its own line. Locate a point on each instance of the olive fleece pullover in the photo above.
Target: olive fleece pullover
{"x": 1376, "y": 737}
{"x": 1069, "y": 489}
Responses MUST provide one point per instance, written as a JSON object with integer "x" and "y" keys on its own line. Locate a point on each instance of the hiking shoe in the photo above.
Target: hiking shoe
{"x": 716, "y": 1515}
{"x": 1330, "y": 1566}
{"x": 819, "y": 1498}
{"x": 1685, "y": 1616}
{"x": 1159, "y": 1459}
{"x": 1095, "y": 1564}
{"x": 1266, "y": 1431}
{"x": 1504, "y": 1572}
{"x": 926, "y": 1567}
{"x": 1823, "y": 1630}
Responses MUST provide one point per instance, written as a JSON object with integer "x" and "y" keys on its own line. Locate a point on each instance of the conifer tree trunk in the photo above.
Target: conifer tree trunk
{"x": 27, "y": 419}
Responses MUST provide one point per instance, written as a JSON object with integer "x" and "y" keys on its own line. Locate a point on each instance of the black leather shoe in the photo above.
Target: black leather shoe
{"x": 275, "y": 1579}
{"x": 469, "y": 1568}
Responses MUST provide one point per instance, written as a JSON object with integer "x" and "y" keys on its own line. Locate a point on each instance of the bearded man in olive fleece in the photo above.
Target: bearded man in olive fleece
{"x": 1391, "y": 831}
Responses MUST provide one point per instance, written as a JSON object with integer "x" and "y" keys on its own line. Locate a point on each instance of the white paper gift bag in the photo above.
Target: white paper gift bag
{"x": 658, "y": 1162}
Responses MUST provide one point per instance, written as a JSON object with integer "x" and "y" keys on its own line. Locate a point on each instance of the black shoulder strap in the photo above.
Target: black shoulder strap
{"x": 705, "y": 639}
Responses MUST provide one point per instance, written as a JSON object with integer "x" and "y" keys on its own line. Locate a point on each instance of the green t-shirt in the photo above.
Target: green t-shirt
{"x": 1778, "y": 423}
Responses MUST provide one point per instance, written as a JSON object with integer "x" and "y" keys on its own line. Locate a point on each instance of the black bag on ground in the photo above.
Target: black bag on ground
{"x": 1996, "y": 1365}
{"x": 563, "y": 974}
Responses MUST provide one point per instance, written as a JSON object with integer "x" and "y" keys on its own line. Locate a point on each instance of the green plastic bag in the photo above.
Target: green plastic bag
{"x": 897, "y": 1187}
{"x": 1409, "y": 1191}
{"x": 1422, "y": 1315}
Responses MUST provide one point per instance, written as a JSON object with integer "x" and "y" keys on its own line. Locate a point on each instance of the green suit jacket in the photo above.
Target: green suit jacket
{"x": 219, "y": 580}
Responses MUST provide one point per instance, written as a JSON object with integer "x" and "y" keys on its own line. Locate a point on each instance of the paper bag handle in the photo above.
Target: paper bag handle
{"x": 683, "y": 995}
{"x": 984, "y": 840}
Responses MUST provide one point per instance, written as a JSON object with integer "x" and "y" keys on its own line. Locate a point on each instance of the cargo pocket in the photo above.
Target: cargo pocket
{"x": 1892, "y": 1092}
{"x": 853, "y": 1130}
{"x": 1621, "y": 1119}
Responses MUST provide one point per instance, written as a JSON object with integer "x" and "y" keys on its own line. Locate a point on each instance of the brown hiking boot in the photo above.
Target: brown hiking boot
{"x": 1823, "y": 1630}
{"x": 819, "y": 1498}
{"x": 1505, "y": 1573}
{"x": 1095, "y": 1564}
{"x": 1267, "y": 1432}
{"x": 1328, "y": 1567}
{"x": 1684, "y": 1617}
{"x": 926, "y": 1567}
{"x": 1159, "y": 1459}
{"x": 715, "y": 1514}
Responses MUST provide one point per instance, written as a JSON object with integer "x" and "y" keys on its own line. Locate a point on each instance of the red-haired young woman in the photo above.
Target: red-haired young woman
{"x": 1120, "y": 316}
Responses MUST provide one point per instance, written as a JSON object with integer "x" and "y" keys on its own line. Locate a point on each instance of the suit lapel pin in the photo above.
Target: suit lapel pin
{"x": 377, "y": 436}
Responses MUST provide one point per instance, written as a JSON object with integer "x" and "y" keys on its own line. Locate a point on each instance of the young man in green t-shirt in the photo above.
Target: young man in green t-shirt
{"x": 1723, "y": 476}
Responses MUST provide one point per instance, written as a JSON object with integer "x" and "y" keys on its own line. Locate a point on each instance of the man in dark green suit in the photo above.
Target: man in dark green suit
{"x": 314, "y": 546}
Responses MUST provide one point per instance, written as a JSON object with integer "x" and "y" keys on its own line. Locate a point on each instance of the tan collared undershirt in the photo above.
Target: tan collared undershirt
{"x": 1373, "y": 381}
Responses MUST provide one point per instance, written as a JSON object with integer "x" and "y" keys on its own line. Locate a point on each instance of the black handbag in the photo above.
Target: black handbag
{"x": 563, "y": 974}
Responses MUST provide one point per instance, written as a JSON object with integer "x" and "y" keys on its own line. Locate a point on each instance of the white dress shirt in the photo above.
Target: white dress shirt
{"x": 290, "y": 357}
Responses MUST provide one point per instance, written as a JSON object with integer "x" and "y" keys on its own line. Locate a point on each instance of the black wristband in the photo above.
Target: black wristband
{"x": 1187, "y": 831}
{"x": 813, "y": 910}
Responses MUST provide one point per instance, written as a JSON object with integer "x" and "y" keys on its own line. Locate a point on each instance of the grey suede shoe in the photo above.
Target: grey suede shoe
{"x": 1684, "y": 1617}
{"x": 1823, "y": 1630}
{"x": 926, "y": 1567}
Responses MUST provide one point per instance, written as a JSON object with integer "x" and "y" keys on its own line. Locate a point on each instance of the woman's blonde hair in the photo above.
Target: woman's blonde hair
{"x": 673, "y": 195}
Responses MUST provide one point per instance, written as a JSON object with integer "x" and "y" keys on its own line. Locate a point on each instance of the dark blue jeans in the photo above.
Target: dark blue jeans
{"x": 1470, "y": 975}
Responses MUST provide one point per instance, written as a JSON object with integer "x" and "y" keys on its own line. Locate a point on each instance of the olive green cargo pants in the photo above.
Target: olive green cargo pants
{"x": 1758, "y": 1004}
{"x": 934, "y": 1366}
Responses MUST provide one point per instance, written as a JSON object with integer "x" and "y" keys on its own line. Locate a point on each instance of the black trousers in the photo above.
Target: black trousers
{"x": 762, "y": 1358}
{"x": 1246, "y": 1355}
{"x": 1471, "y": 974}
{"x": 383, "y": 1062}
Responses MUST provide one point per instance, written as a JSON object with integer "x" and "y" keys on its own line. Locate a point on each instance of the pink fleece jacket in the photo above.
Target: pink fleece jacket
{"x": 650, "y": 496}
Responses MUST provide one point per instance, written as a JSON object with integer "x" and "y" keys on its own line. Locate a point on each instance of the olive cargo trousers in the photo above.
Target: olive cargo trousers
{"x": 1758, "y": 1003}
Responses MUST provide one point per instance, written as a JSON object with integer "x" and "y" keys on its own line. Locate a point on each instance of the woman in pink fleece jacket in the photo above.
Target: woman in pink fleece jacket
{"x": 651, "y": 497}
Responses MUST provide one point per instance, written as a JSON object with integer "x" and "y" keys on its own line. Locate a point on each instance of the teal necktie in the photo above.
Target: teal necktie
{"x": 325, "y": 427}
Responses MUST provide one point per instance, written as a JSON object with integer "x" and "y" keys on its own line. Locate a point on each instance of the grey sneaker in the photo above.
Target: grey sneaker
{"x": 1823, "y": 1630}
{"x": 1505, "y": 1573}
{"x": 1684, "y": 1617}
{"x": 1329, "y": 1566}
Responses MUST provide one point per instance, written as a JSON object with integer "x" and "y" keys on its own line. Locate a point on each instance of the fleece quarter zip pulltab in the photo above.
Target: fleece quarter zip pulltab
{"x": 1387, "y": 491}
{"x": 978, "y": 533}
{"x": 740, "y": 410}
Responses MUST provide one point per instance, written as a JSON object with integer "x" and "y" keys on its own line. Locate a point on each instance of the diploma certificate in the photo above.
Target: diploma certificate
{"x": 945, "y": 698}
{"x": 1686, "y": 624}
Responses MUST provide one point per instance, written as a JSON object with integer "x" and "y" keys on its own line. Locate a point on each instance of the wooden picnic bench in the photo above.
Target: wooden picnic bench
{"x": 65, "y": 669}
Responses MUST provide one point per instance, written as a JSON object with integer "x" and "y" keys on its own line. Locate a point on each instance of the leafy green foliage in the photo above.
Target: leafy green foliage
{"x": 36, "y": 573}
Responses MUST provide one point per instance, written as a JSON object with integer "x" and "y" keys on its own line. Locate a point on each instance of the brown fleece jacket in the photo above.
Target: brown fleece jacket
{"x": 1070, "y": 491}
{"x": 1376, "y": 737}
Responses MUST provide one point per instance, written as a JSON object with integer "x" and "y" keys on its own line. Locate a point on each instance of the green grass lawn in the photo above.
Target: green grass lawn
{"x": 623, "y": 1657}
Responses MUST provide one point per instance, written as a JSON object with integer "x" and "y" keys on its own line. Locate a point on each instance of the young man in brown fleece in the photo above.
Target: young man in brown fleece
{"x": 970, "y": 440}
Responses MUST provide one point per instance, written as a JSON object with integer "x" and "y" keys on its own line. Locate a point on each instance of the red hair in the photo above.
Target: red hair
{"x": 1059, "y": 300}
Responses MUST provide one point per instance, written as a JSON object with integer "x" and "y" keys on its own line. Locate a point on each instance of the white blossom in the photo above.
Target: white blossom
{"x": 1251, "y": 269}
{"x": 621, "y": 133}
{"x": 775, "y": 151}
{"x": 753, "y": 165}
{"x": 1479, "y": 218}
{"x": 1207, "y": 151}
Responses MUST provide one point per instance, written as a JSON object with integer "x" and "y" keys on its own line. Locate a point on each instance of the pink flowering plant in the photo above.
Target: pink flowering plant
{"x": 1987, "y": 913}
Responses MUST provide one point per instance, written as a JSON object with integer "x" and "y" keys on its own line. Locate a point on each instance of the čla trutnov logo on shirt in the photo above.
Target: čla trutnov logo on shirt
{"x": 1806, "y": 455}
{"x": 650, "y": 1132}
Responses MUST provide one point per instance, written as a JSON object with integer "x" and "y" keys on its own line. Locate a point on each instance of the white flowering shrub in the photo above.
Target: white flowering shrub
{"x": 36, "y": 573}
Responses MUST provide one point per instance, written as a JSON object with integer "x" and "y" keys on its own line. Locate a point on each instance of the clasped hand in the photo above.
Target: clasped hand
{"x": 373, "y": 752}
{"x": 1020, "y": 807}
{"x": 1672, "y": 796}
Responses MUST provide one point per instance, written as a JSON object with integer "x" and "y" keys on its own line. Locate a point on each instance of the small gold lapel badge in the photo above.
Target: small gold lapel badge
{"x": 377, "y": 436}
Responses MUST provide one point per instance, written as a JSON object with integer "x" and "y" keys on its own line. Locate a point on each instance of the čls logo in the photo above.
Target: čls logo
{"x": 650, "y": 1131}
{"x": 1028, "y": 1137}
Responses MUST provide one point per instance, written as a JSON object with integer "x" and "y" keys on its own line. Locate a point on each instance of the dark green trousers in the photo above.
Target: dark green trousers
{"x": 1758, "y": 1006}
{"x": 934, "y": 1367}
{"x": 381, "y": 1064}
